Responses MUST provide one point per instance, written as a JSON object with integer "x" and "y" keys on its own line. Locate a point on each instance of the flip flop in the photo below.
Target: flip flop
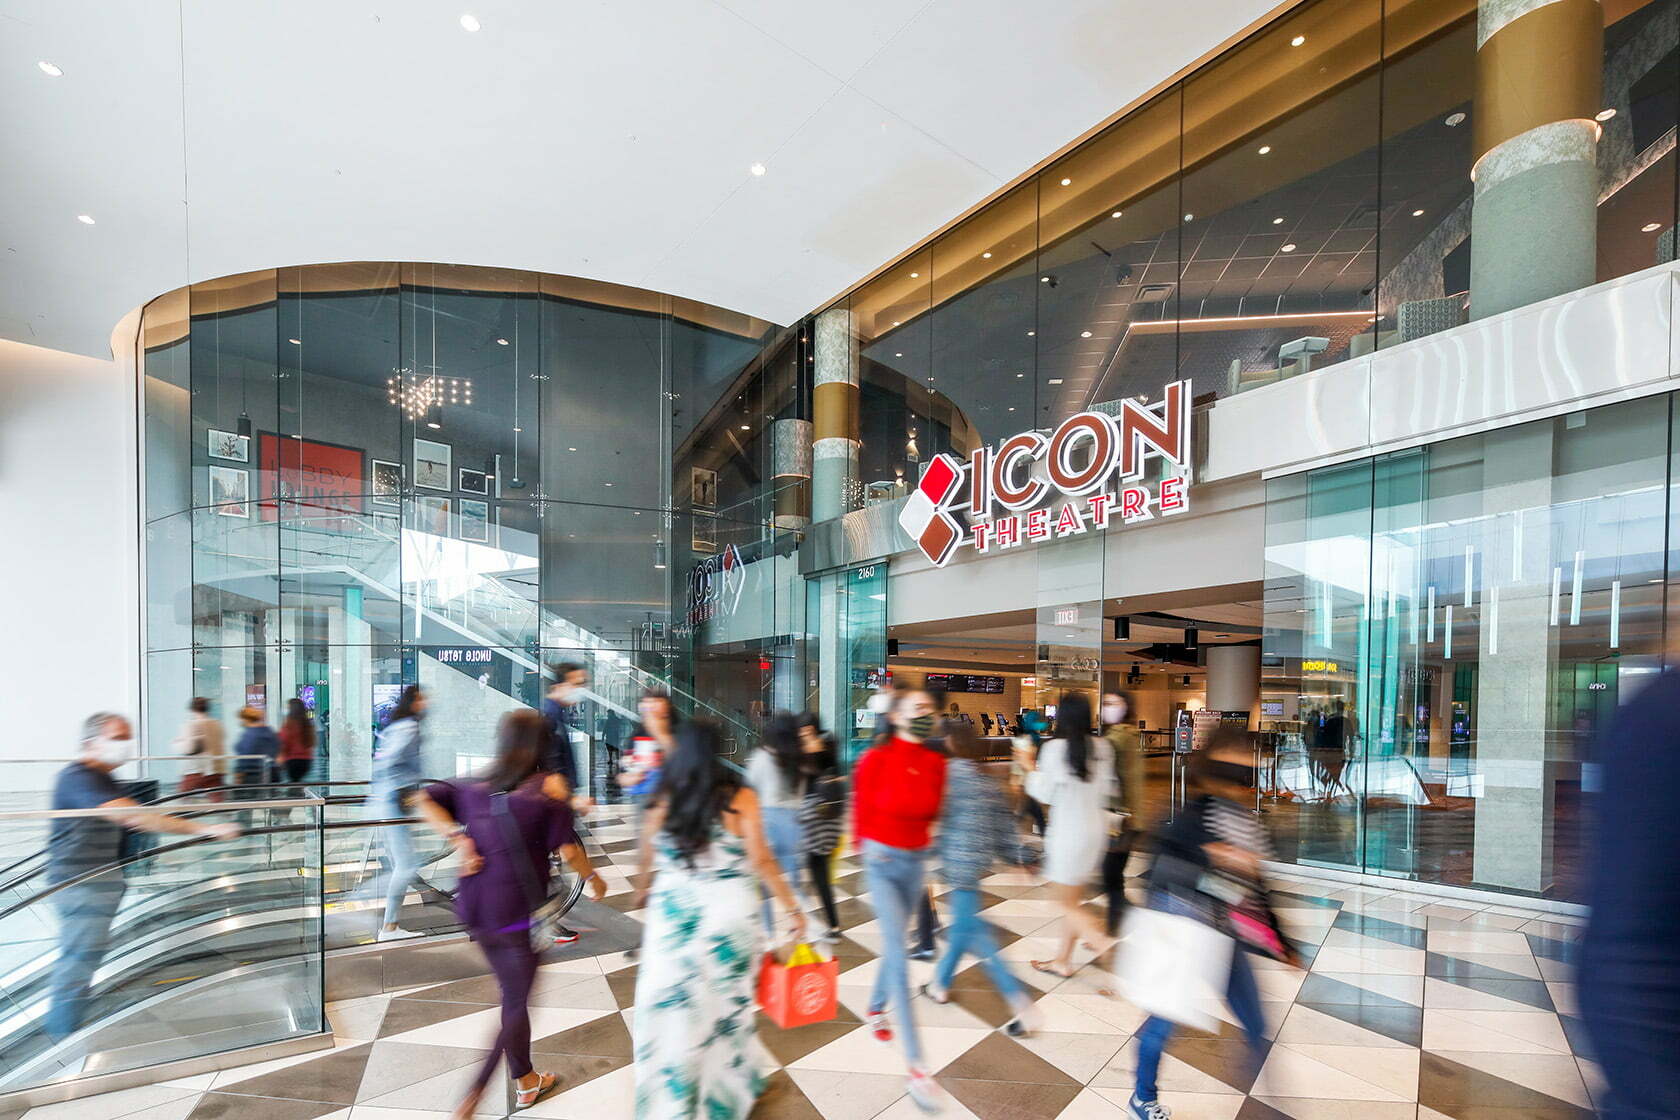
{"x": 525, "y": 1098}
{"x": 1044, "y": 967}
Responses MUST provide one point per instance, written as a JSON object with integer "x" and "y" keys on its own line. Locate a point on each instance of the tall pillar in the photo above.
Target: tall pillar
{"x": 1233, "y": 678}
{"x": 834, "y": 406}
{"x": 790, "y": 473}
{"x": 1534, "y": 222}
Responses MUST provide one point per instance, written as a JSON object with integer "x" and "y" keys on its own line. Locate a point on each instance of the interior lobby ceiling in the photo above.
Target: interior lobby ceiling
{"x": 206, "y": 139}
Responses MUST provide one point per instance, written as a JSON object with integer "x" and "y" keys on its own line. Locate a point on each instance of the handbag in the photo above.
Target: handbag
{"x": 545, "y": 908}
{"x": 1173, "y": 966}
{"x": 801, "y": 990}
{"x": 1038, "y": 786}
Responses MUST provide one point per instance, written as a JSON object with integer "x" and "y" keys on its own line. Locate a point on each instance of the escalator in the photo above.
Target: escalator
{"x": 217, "y": 944}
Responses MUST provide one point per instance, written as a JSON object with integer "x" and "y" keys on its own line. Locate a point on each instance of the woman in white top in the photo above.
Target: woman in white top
{"x": 776, "y": 773}
{"x": 1075, "y": 776}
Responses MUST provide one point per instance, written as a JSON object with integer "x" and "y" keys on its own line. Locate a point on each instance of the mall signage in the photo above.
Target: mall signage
{"x": 1031, "y": 487}
{"x": 715, "y": 585}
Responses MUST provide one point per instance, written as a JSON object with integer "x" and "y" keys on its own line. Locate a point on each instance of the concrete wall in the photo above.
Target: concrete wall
{"x": 70, "y": 562}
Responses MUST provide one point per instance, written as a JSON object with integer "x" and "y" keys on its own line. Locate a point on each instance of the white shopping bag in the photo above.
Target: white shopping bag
{"x": 1173, "y": 966}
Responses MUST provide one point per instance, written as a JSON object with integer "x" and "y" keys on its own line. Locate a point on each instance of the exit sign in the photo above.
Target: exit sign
{"x": 1067, "y": 616}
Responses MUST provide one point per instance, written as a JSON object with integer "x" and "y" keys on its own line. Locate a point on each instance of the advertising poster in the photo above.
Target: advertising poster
{"x": 322, "y": 478}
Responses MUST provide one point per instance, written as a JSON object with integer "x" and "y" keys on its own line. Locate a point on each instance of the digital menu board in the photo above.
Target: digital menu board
{"x": 964, "y": 682}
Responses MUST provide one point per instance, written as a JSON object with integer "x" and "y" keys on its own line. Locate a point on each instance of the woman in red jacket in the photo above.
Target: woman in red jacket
{"x": 897, "y": 787}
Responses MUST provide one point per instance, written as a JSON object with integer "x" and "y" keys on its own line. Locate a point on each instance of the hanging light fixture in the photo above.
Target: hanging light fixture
{"x": 1190, "y": 636}
{"x": 1123, "y": 630}
{"x": 659, "y": 555}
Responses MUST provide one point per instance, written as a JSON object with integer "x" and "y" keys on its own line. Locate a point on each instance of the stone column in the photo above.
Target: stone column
{"x": 1534, "y": 226}
{"x": 1233, "y": 678}
{"x": 790, "y": 473}
{"x": 834, "y": 406}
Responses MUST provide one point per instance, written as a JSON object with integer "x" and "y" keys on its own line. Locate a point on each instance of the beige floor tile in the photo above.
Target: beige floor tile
{"x": 1510, "y": 1032}
{"x": 1556, "y": 1075}
{"x": 1459, "y": 941}
{"x": 1296, "y": 1072}
{"x": 1185, "y": 1106}
{"x": 1307, "y": 1026}
{"x": 848, "y": 1096}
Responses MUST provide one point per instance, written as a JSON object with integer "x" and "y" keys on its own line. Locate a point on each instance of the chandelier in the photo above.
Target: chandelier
{"x": 418, "y": 394}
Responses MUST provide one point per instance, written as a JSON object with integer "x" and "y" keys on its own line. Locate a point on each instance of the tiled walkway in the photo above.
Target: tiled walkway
{"x": 1414, "y": 1009}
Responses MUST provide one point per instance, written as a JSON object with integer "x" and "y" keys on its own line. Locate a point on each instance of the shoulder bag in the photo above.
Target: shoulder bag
{"x": 545, "y": 907}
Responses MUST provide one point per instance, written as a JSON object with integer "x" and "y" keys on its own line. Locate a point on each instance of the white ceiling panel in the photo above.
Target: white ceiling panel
{"x": 606, "y": 140}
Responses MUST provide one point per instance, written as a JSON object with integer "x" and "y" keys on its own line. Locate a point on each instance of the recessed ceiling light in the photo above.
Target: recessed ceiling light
{"x": 1117, "y": 213}
{"x": 1298, "y": 40}
{"x": 985, "y": 256}
{"x": 1044, "y": 279}
{"x": 1265, "y": 149}
{"x": 295, "y": 341}
{"x": 571, "y": 449}
{"x": 1020, "y": 375}
{"x": 899, "y": 354}
{"x": 915, "y": 275}
{"x": 1012, "y": 408}
{"x": 1650, "y": 227}
{"x": 1031, "y": 333}
{"x": 1067, "y": 182}
{"x": 1277, "y": 221}
{"x": 1189, "y": 217}
{"x": 85, "y": 219}
{"x": 1601, "y": 115}
{"x": 519, "y": 429}
{"x": 746, "y": 427}
{"x": 1417, "y": 213}
{"x": 757, "y": 169}
{"x": 1084, "y": 334}
{"x": 609, "y": 484}
{"x": 501, "y": 342}
{"x": 1289, "y": 248}
{"x": 469, "y": 22}
{"x": 52, "y": 71}
{"x": 1054, "y": 381}
{"x": 433, "y": 424}
{"x": 1455, "y": 120}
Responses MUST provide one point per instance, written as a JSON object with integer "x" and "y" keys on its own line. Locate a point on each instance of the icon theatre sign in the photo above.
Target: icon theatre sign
{"x": 1031, "y": 487}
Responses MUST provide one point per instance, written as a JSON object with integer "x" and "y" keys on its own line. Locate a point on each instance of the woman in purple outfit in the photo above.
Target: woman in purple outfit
{"x": 504, "y": 824}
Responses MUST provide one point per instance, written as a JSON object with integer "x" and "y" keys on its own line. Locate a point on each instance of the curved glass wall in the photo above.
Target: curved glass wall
{"x": 363, "y": 475}
{"x": 1354, "y": 175}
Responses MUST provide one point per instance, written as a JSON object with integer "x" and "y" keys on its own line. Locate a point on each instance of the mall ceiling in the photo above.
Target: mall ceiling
{"x": 611, "y": 141}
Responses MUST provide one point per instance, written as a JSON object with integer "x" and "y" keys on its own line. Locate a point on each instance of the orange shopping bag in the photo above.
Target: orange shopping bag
{"x": 803, "y": 989}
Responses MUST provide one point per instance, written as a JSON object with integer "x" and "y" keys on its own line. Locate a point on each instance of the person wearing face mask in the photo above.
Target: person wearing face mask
{"x": 396, "y": 779}
{"x": 560, "y": 716}
{"x": 1207, "y": 866}
{"x": 1127, "y": 801}
{"x": 898, "y": 788}
{"x": 78, "y": 847}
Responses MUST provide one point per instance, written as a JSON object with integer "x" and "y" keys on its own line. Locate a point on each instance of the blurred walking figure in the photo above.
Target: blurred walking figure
{"x": 1127, "y": 745}
{"x": 976, "y": 830}
{"x": 702, "y": 839}
{"x": 897, "y": 791}
{"x": 396, "y": 778}
{"x": 78, "y": 848}
{"x": 297, "y": 745}
{"x": 504, "y": 825}
{"x": 822, "y": 817}
{"x": 1630, "y": 957}
{"x": 655, "y": 737}
{"x": 256, "y": 753}
{"x": 776, "y": 772}
{"x": 1074, "y": 777}
{"x": 1207, "y": 866}
{"x": 560, "y": 710}
{"x": 202, "y": 738}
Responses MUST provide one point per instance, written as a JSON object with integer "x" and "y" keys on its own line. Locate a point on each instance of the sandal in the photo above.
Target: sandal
{"x": 1045, "y": 967}
{"x": 525, "y": 1098}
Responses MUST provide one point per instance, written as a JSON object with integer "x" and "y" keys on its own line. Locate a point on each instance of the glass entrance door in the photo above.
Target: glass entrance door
{"x": 850, "y": 611}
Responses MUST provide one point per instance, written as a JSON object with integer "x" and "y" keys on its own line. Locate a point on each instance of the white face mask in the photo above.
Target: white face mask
{"x": 880, "y": 703}
{"x": 113, "y": 752}
{"x": 567, "y": 693}
{"x": 1113, "y": 713}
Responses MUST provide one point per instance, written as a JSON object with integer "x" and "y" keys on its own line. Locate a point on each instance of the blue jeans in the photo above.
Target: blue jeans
{"x": 84, "y": 931}
{"x": 787, "y": 843}
{"x": 1240, "y": 992}
{"x": 399, "y": 850}
{"x": 895, "y": 877}
{"x": 967, "y": 932}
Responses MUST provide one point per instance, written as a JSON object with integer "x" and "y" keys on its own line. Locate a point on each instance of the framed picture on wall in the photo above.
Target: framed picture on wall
{"x": 474, "y": 482}
{"x": 230, "y": 491}
{"x": 473, "y": 521}
{"x": 702, "y": 487}
{"x": 431, "y": 515}
{"x": 704, "y": 536}
{"x": 432, "y": 465}
{"x": 231, "y": 446}
{"x": 386, "y": 483}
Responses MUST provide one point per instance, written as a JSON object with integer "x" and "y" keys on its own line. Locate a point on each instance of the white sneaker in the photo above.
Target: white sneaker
{"x": 1148, "y": 1110}
{"x": 399, "y": 934}
{"x": 924, "y": 1091}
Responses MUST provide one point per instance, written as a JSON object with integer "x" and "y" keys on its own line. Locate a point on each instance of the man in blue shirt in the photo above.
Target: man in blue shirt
{"x": 81, "y": 852}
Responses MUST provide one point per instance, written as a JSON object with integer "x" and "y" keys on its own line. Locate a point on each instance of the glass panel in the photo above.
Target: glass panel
{"x": 1280, "y": 200}
{"x": 169, "y": 581}
{"x": 168, "y": 406}
{"x": 1636, "y": 158}
{"x": 903, "y": 419}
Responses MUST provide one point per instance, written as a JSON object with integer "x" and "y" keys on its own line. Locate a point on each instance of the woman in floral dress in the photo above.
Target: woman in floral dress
{"x": 702, "y": 840}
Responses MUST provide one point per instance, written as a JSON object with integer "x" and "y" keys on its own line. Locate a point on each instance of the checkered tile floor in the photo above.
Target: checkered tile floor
{"x": 1413, "y": 1008}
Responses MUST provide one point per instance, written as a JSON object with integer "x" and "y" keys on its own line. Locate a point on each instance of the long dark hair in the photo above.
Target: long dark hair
{"x": 1073, "y": 726}
{"x": 781, "y": 738}
{"x": 520, "y": 737}
{"x": 299, "y": 723}
{"x": 405, "y": 704}
{"x": 695, "y": 788}
{"x": 823, "y": 762}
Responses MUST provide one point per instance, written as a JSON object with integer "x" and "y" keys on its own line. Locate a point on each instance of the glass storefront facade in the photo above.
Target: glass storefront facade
{"x": 365, "y": 475}
{"x": 1447, "y": 629}
{"x": 1326, "y": 189}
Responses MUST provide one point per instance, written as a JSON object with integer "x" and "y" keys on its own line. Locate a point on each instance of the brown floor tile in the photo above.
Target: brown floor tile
{"x": 412, "y": 1014}
{"x": 783, "y": 1100}
{"x": 983, "y": 1003}
{"x": 226, "y": 1106}
{"x": 606, "y": 1037}
{"x": 1008, "y": 1100}
{"x": 1464, "y": 1093}
{"x": 999, "y": 1058}
{"x": 788, "y": 1046}
{"x": 333, "y": 1078}
{"x": 623, "y": 985}
{"x": 397, "y": 1065}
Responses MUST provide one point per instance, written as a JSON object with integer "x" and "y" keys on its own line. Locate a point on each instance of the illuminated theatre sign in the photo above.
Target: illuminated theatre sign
{"x": 1093, "y": 464}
